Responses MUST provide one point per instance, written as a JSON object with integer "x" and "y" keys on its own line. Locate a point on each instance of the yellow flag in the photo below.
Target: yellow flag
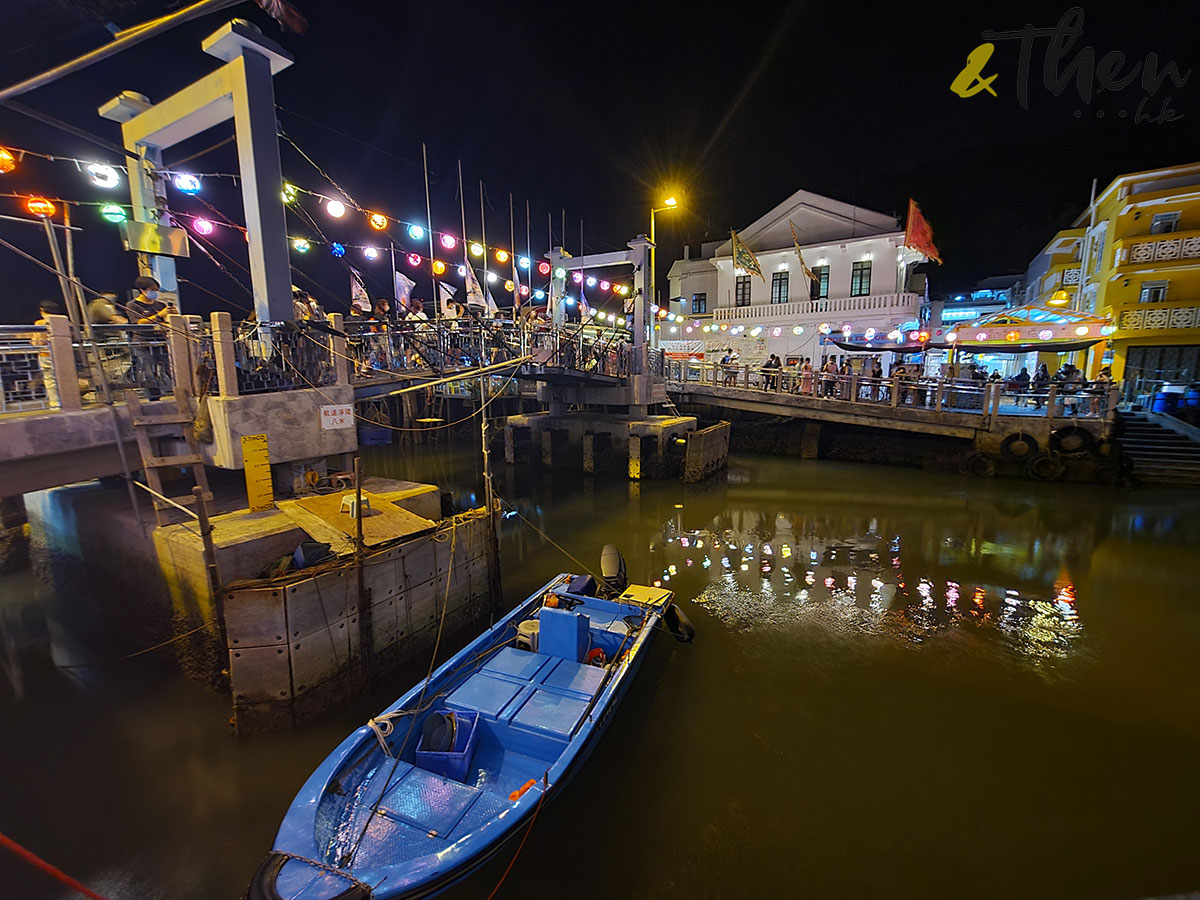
{"x": 744, "y": 259}
{"x": 808, "y": 273}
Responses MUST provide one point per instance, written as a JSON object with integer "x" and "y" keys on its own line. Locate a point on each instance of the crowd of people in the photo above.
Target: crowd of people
{"x": 965, "y": 387}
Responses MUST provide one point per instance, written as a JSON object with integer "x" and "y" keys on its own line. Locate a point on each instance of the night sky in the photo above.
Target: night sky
{"x": 600, "y": 109}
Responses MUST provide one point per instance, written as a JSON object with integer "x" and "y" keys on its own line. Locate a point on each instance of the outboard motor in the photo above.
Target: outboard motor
{"x": 612, "y": 569}
{"x": 678, "y": 624}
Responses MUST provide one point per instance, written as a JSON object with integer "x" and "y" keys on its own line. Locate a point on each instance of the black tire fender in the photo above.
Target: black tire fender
{"x": 980, "y": 465}
{"x": 1019, "y": 446}
{"x": 1072, "y": 441}
{"x": 1048, "y": 466}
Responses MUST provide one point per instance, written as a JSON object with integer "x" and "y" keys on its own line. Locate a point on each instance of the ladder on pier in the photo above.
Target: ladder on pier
{"x": 151, "y": 432}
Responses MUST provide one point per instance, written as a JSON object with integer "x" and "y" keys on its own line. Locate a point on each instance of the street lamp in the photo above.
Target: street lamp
{"x": 669, "y": 203}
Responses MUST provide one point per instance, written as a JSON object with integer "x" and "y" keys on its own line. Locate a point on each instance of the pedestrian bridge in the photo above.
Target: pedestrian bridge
{"x": 63, "y": 416}
{"x": 982, "y": 412}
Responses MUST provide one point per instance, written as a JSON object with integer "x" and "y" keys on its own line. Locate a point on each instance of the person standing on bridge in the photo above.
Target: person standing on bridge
{"x": 149, "y": 354}
{"x": 806, "y": 376}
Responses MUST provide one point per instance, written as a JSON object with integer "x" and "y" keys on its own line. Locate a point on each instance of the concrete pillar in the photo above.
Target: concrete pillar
{"x": 810, "y": 442}
{"x": 14, "y": 535}
{"x": 510, "y": 454}
{"x": 337, "y": 350}
{"x": 223, "y": 351}
{"x": 258, "y": 160}
{"x": 62, "y": 358}
{"x": 589, "y": 453}
{"x": 635, "y": 457}
{"x": 180, "y": 354}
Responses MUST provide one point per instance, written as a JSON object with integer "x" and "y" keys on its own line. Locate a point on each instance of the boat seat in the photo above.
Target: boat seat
{"x": 432, "y": 803}
{"x": 550, "y": 713}
{"x": 518, "y": 664}
{"x": 577, "y": 678}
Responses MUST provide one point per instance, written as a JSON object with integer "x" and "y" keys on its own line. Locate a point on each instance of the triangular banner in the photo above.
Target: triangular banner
{"x": 744, "y": 259}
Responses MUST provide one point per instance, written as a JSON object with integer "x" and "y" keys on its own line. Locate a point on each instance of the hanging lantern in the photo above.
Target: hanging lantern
{"x": 337, "y": 250}
{"x": 439, "y": 267}
{"x": 605, "y": 285}
{"x": 378, "y": 221}
{"x": 1082, "y": 331}
{"x": 462, "y": 271}
{"x": 300, "y": 245}
{"x": 914, "y": 335}
{"x": 798, "y": 330}
{"x": 449, "y": 242}
{"x": 416, "y": 232}
{"x": 1045, "y": 334}
{"x": 539, "y": 295}
{"x": 289, "y": 193}
{"x": 111, "y": 212}
{"x": 187, "y": 184}
{"x": 509, "y": 286}
{"x": 577, "y": 277}
{"x": 335, "y": 208}
{"x": 981, "y": 336}
{"x": 543, "y": 268}
{"x": 370, "y": 252}
{"x": 591, "y": 282}
{"x": 776, "y": 331}
{"x": 1013, "y": 336}
{"x": 8, "y": 162}
{"x": 491, "y": 277}
{"x": 501, "y": 256}
{"x": 41, "y": 207}
{"x": 103, "y": 176}
{"x": 414, "y": 259}
{"x": 869, "y": 334}
{"x": 477, "y": 249}
{"x": 523, "y": 262}
{"x": 524, "y": 290}
{"x": 824, "y": 328}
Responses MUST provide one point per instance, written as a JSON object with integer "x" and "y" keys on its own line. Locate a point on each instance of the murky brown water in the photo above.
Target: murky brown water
{"x": 903, "y": 685}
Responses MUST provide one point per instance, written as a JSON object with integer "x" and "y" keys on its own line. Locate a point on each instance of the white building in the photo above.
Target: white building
{"x": 863, "y": 282}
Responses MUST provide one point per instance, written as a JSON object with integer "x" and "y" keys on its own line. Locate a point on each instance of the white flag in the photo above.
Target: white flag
{"x": 491, "y": 304}
{"x": 404, "y": 286}
{"x": 445, "y": 294}
{"x": 474, "y": 291}
{"x": 358, "y": 291}
{"x": 516, "y": 285}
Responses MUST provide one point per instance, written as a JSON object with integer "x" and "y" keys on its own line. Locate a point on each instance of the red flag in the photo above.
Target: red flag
{"x": 918, "y": 233}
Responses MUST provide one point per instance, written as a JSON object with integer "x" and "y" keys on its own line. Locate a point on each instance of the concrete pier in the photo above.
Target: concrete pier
{"x": 642, "y": 446}
{"x": 286, "y": 647}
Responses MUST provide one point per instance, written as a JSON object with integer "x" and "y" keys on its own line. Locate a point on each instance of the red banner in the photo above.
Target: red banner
{"x": 918, "y": 233}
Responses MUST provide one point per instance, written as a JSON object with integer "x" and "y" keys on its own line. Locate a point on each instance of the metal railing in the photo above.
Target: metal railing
{"x": 22, "y": 384}
{"x": 280, "y": 357}
{"x": 901, "y": 392}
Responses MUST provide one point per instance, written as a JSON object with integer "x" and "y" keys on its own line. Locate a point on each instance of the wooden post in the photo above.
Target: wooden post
{"x": 62, "y": 358}
{"x": 1051, "y": 397}
{"x": 895, "y": 391}
{"x": 222, "y": 335}
{"x": 178, "y": 351}
{"x": 210, "y": 566}
{"x": 997, "y": 393}
{"x": 854, "y": 387}
{"x": 938, "y": 403}
{"x": 337, "y": 350}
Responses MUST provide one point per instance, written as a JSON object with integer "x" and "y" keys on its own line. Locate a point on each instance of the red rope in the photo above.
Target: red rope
{"x": 34, "y": 860}
{"x": 521, "y": 846}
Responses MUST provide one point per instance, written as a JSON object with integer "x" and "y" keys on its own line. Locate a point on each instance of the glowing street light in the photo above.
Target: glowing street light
{"x": 669, "y": 203}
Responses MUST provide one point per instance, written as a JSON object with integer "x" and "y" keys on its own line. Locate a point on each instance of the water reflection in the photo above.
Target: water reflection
{"x": 912, "y": 578}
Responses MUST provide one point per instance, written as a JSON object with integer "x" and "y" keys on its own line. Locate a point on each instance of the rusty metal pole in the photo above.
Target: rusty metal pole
{"x": 210, "y": 564}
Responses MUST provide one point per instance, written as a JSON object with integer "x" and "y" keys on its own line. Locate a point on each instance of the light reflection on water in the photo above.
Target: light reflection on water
{"x": 780, "y": 573}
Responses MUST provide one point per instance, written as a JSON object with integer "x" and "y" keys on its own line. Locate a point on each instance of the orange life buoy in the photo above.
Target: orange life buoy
{"x": 596, "y": 657}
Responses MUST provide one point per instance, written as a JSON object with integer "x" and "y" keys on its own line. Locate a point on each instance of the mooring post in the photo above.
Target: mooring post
{"x": 210, "y": 567}
{"x": 224, "y": 353}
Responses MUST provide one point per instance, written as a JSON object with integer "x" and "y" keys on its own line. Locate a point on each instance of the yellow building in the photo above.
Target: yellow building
{"x": 1134, "y": 255}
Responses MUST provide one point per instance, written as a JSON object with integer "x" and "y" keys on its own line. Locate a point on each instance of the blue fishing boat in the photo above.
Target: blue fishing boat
{"x": 435, "y": 785}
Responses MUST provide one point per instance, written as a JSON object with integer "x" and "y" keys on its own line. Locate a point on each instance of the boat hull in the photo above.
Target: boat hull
{"x": 540, "y": 715}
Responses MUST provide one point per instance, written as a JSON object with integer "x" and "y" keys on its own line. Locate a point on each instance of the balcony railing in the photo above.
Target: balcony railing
{"x": 1157, "y": 249}
{"x": 887, "y": 306}
{"x": 1168, "y": 315}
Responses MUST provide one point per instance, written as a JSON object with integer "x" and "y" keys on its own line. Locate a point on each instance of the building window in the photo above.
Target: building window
{"x": 860, "y": 279}
{"x": 1164, "y": 223}
{"x": 1153, "y": 292}
{"x": 699, "y": 304}
{"x": 741, "y": 291}
{"x": 819, "y": 288}
{"x": 779, "y": 287}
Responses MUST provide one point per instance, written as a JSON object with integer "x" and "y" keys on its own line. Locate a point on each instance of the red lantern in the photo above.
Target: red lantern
{"x": 8, "y": 162}
{"x": 41, "y": 207}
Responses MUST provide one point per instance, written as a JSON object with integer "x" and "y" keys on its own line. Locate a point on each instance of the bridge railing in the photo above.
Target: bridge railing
{"x": 901, "y": 392}
{"x": 22, "y": 384}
